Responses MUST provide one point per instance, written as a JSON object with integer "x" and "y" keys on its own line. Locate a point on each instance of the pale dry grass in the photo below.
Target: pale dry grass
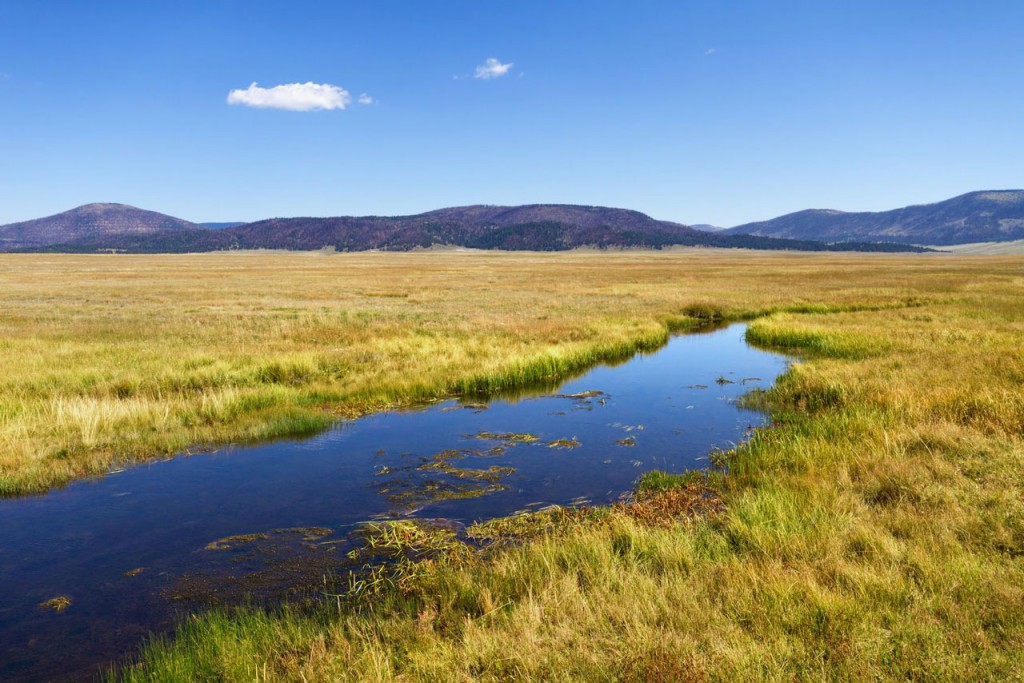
{"x": 876, "y": 531}
{"x": 112, "y": 359}
{"x": 118, "y": 358}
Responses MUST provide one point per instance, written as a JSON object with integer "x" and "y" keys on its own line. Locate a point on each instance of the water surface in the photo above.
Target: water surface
{"x": 663, "y": 410}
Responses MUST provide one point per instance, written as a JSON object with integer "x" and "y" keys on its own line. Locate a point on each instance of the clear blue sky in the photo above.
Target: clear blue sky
{"x": 718, "y": 112}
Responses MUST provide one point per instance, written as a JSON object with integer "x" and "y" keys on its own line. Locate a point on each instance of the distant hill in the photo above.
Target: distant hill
{"x": 540, "y": 227}
{"x": 100, "y": 222}
{"x": 706, "y": 227}
{"x": 990, "y": 216}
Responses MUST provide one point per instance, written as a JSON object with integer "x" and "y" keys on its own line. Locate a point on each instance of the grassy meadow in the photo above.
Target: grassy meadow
{"x": 875, "y": 531}
{"x": 114, "y": 359}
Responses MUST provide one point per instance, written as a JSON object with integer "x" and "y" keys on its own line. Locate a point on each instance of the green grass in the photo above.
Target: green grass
{"x": 874, "y": 531}
{"x": 111, "y": 360}
{"x": 657, "y": 481}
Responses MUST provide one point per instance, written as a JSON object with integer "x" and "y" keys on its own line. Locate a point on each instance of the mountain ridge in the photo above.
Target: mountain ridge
{"x": 980, "y": 216}
{"x": 534, "y": 227}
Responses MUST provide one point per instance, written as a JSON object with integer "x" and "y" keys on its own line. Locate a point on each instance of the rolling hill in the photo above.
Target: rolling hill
{"x": 540, "y": 227}
{"x": 90, "y": 222}
{"x": 988, "y": 216}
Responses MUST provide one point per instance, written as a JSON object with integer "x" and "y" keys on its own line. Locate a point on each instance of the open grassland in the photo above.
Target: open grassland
{"x": 986, "y": 248}
{"x": 114, "y": 359}
{"x": 875, "y": 531}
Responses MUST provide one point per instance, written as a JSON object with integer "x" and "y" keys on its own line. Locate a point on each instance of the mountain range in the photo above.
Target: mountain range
{"x": 987, "y": 216}
{"x": 537, "y": 227}
{"x": 996, "y": 215}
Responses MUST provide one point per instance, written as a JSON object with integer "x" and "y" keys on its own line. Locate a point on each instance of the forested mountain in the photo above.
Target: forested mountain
{"x": 543, "y": 227}
{"x": 90, "y": 222}
{"x": 990, "y": 216}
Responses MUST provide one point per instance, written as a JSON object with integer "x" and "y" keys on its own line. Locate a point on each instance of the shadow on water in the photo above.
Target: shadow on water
{"x": 88, "y": 571}
{"x": 549, "y": 386}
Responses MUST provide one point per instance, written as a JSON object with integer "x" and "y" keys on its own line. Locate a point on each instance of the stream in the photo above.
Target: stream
{"x": 136, "y": 550}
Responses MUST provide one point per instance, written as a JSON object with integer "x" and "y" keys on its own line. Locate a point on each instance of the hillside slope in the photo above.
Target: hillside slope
{"x": 535, "y": 227}
{"x": 89, "y": 222}
{"x": 988, "y": 216}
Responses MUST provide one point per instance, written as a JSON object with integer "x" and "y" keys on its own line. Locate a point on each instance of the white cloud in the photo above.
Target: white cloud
{"x": 492, "y": 68}
{"x": 710, "y": 51}
{"x": 365, "y": 99}
{"x": 292, "y": 97}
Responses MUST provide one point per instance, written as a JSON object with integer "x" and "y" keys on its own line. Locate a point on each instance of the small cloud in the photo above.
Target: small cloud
{"x": 710, "y": 51}
{"x": 492, "y": 68}
{"x": 292, "y": 97}
{"x": 365, "y": 99}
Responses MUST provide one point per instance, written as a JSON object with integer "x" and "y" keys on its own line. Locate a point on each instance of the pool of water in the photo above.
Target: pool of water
{"x": 587, "y": 441}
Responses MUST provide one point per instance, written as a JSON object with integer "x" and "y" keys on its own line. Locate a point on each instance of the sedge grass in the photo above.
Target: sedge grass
{"x": 874, "y": 531}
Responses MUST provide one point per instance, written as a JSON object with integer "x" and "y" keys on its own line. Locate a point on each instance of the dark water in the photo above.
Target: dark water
{"x": 80, "y": 541}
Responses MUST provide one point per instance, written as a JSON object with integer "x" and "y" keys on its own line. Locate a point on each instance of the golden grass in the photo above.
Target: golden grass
{"x": 876, "y": 531}
{"x": 113, "y": 359}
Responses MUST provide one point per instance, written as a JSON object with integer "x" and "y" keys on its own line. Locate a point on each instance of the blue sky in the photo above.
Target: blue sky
{"x": 719, "y": 112}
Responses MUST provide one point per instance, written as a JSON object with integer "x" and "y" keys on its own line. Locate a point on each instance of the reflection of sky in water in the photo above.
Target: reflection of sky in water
{"x": 79, "y": 541}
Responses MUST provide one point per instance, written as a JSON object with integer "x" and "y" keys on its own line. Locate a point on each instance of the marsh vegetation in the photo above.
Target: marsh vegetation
{"x": 271, "y": 522}
{"x": 876, "y": 530}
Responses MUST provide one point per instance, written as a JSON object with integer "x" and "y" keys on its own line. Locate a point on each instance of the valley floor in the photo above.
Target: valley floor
{"x": 986, "y": 248}
{"x": 875, "y": 531}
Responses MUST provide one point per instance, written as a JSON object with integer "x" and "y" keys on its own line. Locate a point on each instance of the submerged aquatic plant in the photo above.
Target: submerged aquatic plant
{"x": 491, "y": 474}
{"x": 507, "y": 437}
{"x": 57, "y": 604}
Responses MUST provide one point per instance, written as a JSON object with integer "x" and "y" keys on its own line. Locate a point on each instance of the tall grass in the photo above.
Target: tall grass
{"x": 874, "y": 531}
{"x": 115, "y": 359}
